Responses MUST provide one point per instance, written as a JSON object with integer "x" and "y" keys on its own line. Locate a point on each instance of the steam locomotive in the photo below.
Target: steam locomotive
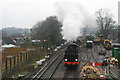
{"x": 71, "y": 56}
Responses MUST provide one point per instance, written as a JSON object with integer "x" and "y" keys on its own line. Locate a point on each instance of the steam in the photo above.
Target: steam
{"x": 74, "y": 17}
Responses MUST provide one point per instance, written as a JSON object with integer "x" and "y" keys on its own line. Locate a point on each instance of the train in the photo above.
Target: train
{"x": 96, "y": 40}
{"x": 107, "y": 44}
{"x": 71, "y": 56}
{"x": 89, "y": 44}
{"x": 89, "y": 37}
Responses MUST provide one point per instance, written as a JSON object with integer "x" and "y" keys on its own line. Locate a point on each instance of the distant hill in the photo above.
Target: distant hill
{"x": 9, "y": 31}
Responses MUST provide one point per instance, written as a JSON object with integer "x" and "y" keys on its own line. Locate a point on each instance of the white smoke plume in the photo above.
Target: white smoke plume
{"x": 74, "y": 17}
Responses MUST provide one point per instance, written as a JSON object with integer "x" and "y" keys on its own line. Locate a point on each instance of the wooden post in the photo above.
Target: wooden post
{"x": 14, "y": 60}
{"x": 29, "y": 53}
{"x": 26, "y": 55}
{"x": 6, "y": 64}
{"x": 20, "y": 56}
{"x": 10, "y": 62}
{"x": 17, "y": 58}
{"x": 35, "y": 51}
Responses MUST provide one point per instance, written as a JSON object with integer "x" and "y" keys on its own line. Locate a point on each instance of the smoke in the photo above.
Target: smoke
{"x": 74, "y": 17}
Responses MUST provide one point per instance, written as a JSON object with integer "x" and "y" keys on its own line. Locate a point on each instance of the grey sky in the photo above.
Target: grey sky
{"x": 25, "y": 13}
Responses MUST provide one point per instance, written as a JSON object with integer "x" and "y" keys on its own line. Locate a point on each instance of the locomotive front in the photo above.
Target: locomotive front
{"x": 71, "y": 56}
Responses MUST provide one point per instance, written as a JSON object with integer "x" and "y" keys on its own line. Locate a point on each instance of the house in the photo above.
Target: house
{"x": 8, "y": 40}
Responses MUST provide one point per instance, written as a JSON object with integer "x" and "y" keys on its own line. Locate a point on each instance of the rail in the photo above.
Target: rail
{"x": 88, "y": 60}
{"x": 44, "y": 69}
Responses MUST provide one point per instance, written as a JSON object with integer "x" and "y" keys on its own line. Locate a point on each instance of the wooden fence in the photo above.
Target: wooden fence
{"x": 12, "y": 60}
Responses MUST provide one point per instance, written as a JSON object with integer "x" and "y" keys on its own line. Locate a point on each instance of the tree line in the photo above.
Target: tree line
{"x": 50, "y": 28}
{"x": 106, "y": 23}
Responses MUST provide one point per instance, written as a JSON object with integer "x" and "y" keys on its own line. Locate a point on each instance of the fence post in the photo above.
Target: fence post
{"x": 6, "y": 64}
{"x": 10, "y": 62}
{"x": 14, "y": 60}
{"x": 20, "y": 57}
{"x": 17, "y": 58}
{"x": 23, "y": 56}
{"x": 26, "y": 54}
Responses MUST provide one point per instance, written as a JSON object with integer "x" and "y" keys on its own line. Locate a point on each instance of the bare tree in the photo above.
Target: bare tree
{"x": 105, "y": 21}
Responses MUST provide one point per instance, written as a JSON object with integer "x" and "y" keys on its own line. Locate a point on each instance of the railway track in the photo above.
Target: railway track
{"x": 49, "y": 69}
{"x": 71, "y": 74}
{"x": 110, "y": 73}
{"x": 91, "y": 57}
{"x": 37, "y": 74}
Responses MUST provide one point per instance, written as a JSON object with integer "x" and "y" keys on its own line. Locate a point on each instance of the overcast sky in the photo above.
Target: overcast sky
{"x": 25, "y": 13}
